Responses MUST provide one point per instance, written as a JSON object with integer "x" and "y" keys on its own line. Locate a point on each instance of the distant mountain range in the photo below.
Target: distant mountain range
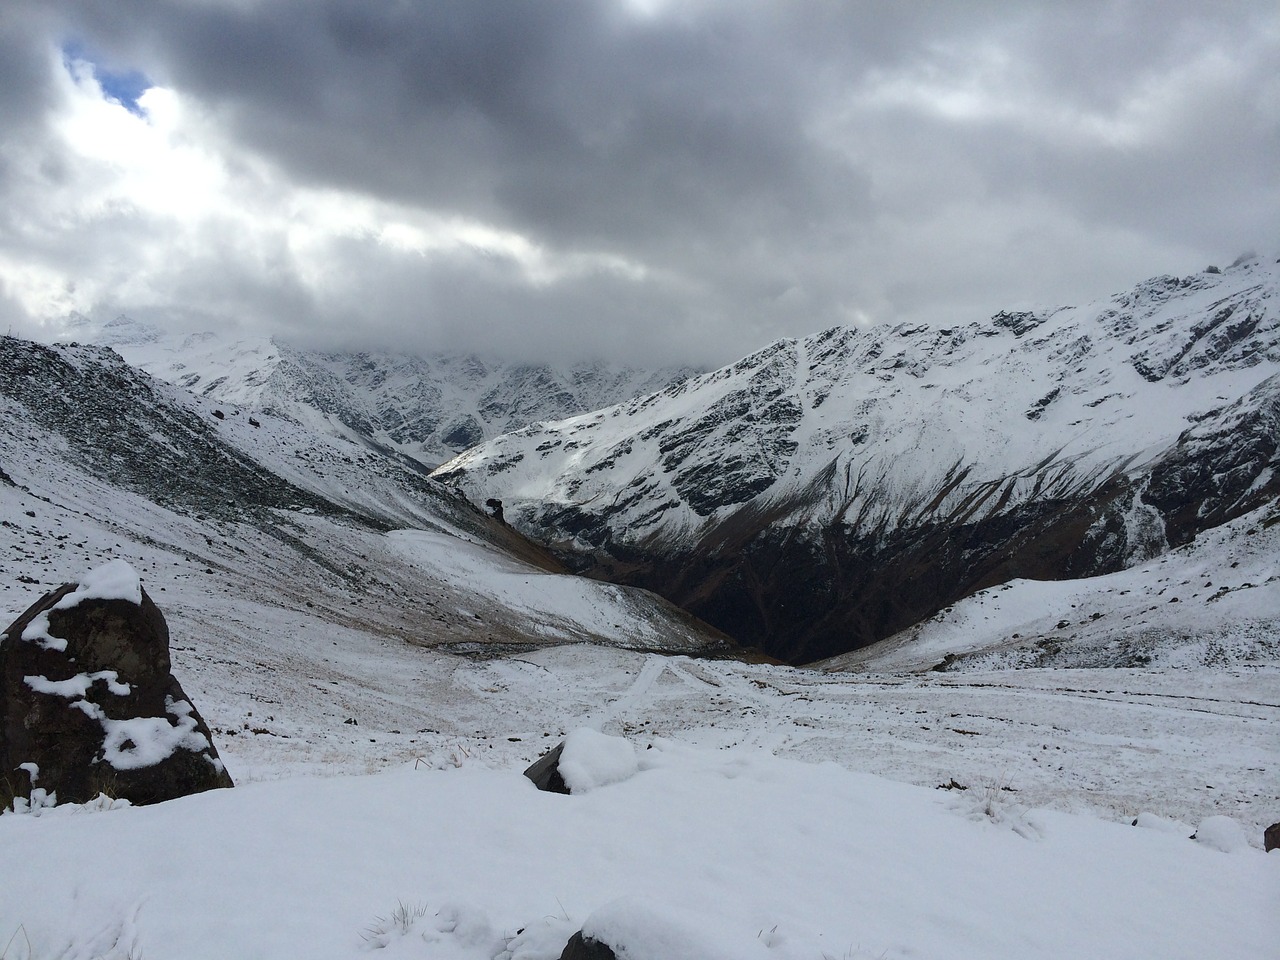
{"x": 826, "y": 493}
{"x": 428, "y": 408}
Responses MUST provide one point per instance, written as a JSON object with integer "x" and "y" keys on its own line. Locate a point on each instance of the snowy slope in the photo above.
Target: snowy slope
{"x": 825, "y": 493}
{"x": 1213, "y": 601}
{"x": 429, "y": 408}
{"x": 102, "y": 461}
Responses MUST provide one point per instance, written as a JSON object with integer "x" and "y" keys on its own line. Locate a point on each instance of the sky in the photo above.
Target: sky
{"x": 648, "y": 181}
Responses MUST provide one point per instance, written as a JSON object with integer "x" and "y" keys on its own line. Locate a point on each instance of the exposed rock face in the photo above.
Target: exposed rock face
{"x": 157, "y": 448}
{"x": 1271, "y": 838}
{"x": 584, "y": 948}
{"x": 545, "y": 771}
{"x": 88, "y": 702}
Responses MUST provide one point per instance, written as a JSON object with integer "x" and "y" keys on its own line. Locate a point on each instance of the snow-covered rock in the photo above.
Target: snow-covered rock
{"x": 592, "y": 759}
{"x": 1221, "y": 833}
{"x": 89, "y": 703}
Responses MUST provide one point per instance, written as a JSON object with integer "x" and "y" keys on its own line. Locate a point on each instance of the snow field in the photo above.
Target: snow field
{"x": 700, "y": 853}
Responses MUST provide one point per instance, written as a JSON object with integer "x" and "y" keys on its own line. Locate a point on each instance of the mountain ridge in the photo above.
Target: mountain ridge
{"x": 426, "y": 407}
{"x": 321, "y": 526}
{"x": 825, "y": 492}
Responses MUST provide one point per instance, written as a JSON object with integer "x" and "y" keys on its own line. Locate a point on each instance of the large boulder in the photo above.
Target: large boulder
{"x": 584, "y": 760}
{"x": 88, "y": 702}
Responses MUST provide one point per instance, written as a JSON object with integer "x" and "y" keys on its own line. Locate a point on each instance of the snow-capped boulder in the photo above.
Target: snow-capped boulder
{"x": 1221, "y": 833}
{"x": 593, "y": 759}
{"x": 88, "y": 702}
{"x": 584, "y": 760}
{"x": 635, "y": 928}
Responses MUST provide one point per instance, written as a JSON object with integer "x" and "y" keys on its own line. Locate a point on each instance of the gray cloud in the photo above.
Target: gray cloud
{"x": 755, "y": 169}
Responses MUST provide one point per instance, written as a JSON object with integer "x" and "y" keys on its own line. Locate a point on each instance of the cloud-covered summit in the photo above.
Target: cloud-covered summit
{"x": 651, "y": 180}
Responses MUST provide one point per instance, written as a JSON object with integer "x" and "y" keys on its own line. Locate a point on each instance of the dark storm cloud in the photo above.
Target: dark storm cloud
{"x": 573, "y": 119}
{"x": 24, "y": 87}
{"x": 1208, "y": 169}
{"x": 23, "y": 68}
{"x": 769, "y": 168}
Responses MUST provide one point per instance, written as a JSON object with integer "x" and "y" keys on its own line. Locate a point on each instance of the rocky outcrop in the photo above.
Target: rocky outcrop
{"x": 89, "y": 704}
{"x": 584, "y": 948}
{"x": 1220, "y": 468}
{"x": 1271, "y": 838}
{"x": 545, "y": 771}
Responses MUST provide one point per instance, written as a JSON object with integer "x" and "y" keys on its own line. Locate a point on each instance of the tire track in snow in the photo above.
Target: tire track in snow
{"x": 653, "y": 668}
{"x": 1139, "y": 699}
{"x": 772, "y": 725}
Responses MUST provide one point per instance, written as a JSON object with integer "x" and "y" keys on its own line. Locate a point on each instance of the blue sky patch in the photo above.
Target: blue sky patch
{"x": 124, "y": 87}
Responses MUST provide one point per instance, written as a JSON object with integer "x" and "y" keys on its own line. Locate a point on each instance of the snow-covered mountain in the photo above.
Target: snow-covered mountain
{"x": 429, "y": 408}
{"x": 825, "y": 493}
{"x": 99, "y": 460}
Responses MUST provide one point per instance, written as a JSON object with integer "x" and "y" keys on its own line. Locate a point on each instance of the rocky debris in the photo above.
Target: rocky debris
{"x": 495, "y": 509}
{"x": 89, "y": 704}
{"x": 545, "y": 772}
{"x": 1271, "y": 838}
{"x": 584, "y": 948}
